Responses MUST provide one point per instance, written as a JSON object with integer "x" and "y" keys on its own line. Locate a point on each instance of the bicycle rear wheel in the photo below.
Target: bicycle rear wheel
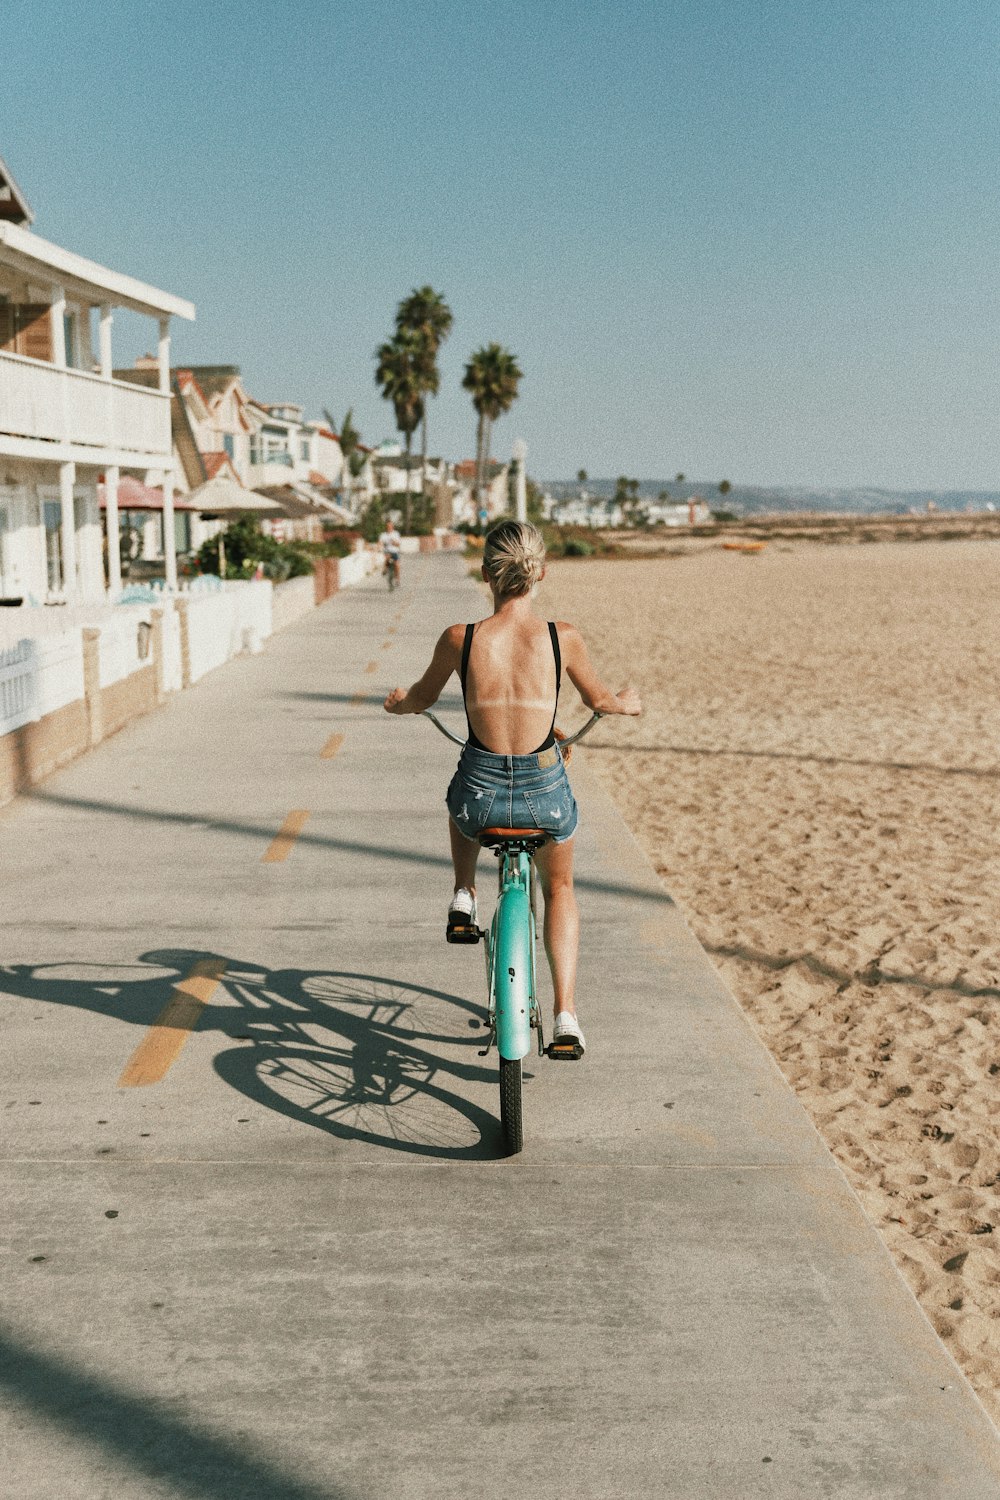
{"x": 510, "y": 1104}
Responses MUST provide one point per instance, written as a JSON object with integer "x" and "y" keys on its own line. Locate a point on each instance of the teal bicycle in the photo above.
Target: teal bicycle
{"x": 513, "y": 1009}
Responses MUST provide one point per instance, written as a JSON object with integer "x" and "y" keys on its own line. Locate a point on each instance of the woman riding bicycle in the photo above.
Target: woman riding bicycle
{"x": 511, "y": 771}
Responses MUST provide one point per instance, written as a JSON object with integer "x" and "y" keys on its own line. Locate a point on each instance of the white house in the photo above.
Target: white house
{"x": 65, "y": 422}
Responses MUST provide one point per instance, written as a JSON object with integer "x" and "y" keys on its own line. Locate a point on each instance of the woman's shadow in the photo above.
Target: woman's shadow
{"x": 362, "y": 1057}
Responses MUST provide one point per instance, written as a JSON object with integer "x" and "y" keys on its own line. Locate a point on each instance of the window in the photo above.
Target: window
{"x": 304, "y": 449}
{"x": 72, "y": 343}
{"x": 53, "y": 544}
{"x": 229, "y": 444}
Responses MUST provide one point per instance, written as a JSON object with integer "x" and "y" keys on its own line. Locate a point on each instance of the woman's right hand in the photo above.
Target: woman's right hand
{"x": 630, "y": 701}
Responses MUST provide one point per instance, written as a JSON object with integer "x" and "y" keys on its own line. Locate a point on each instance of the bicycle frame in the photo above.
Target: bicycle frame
{"x": 510, "y": 959}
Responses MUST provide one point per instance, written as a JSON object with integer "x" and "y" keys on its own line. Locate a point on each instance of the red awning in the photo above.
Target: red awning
{"x": 134, "y": 495}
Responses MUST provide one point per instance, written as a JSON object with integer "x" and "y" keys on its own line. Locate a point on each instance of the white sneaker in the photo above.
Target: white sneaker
{"x": 462, "y": 911}
{"x": 568, "y": 1027}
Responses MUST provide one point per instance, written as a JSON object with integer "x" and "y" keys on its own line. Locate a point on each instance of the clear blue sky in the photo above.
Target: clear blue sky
{"x": 747, "y": 241}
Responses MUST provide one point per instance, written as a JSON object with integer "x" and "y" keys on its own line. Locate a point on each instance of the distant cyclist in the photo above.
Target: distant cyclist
{"x": 392, "y": 544}
{"x": 511, "y": 772}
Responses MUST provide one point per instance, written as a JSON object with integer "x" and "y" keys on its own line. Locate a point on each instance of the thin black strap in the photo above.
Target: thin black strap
{"x": 467, "y": 647}
{"x": 554, "y": 636}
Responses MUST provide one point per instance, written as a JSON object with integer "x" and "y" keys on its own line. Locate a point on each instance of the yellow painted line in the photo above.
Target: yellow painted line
{"x": 372, "y": 666}
{"x": 331, "y": 747}
{"x": 391, "y": 630}
{"x": 359, "y": 698}
{"x": 172, "y": 1027}
{"x": 280, "y": 846}
{"x": 386, "y": 645}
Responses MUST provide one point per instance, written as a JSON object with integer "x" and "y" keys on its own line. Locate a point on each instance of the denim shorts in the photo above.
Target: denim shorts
{"x": 512, "y": 791}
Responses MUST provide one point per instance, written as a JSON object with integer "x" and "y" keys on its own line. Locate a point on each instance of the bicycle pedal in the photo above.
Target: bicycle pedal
{"x": 566, "y": 1049}
{"x": 463, "y": 932}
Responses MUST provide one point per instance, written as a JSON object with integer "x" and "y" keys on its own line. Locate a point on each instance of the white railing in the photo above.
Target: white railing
{"x": 39, "y": 400}
{"x": 18, "y": 686}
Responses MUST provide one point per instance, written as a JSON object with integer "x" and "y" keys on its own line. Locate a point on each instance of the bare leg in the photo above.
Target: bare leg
{"x": 562, "y": 920}
{"x": 464, "y": 854}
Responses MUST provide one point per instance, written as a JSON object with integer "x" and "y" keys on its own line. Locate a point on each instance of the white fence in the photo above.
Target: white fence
{"x": 356, "y": 568}
{"x": 292, "y": 600}
{"x": 39, "y": 675}
{"x": 224, "y": 624}
{"x": 41, "y": 649}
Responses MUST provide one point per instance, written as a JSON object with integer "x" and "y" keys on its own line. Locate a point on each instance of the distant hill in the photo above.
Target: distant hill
{"x": 749, "y": 500}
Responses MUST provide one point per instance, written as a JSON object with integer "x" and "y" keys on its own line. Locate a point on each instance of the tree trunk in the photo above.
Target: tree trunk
{"x": 346, "y": 480}
{"x": 478, "y": 490}
{"x": 487, "y": 443}
{"x": 406, "y": 509}
{"x": 423, "y": 457}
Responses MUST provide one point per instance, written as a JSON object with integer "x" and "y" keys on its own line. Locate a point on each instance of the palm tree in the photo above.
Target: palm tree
{"x": 398, "y": 376}
{"x": 491, "y": 376}
{"x": 425, "y": 313}
{"x": 350, "y": 444}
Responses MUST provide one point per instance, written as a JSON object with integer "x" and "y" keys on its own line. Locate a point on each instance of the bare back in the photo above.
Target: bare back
{"x": 510, "y": 684}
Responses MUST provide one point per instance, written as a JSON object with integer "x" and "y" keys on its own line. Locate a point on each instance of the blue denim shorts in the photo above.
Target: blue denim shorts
{"x": 512, "y": 791}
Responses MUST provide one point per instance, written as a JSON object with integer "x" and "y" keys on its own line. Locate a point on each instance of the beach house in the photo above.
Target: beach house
{"x": 67, "y": 424}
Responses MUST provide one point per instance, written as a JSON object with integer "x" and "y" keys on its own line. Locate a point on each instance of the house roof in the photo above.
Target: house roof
{"x": 181, "y": 431}
{"x": 466, "y": 469}
{"x": 87, "y": 278}
{"x": 293, "y": 506}
{"x": 214, "y": 379}
{"x": 13, "y": 204}
{"x": 215, "y": 462}
{"x": 327, "y": 433}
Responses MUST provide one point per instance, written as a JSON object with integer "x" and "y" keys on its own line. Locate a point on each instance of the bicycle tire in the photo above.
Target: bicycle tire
{"x": 510, "y": 1105}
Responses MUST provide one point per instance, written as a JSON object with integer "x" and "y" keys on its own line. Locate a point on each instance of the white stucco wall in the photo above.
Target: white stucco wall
{"x": 236, "y": 619}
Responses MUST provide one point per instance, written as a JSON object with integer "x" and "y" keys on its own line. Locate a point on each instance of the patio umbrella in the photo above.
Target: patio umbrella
{"x": 221, "y": 499}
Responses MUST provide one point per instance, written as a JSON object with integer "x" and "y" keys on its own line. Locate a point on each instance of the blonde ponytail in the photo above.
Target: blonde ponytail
{"x": 514, "y": 558}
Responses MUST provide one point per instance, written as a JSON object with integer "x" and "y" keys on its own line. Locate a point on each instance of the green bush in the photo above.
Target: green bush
{"x": 247, "y": 548}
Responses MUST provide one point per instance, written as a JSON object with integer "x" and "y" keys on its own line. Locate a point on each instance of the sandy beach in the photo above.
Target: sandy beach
{"x": 817, "y": 779}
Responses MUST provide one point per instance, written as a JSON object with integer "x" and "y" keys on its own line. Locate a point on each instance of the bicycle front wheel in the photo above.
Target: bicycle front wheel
{"x": 510, "y": 1104}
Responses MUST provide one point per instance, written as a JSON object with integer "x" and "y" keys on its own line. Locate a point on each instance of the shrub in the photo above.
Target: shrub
{"x": 247, "y": 548}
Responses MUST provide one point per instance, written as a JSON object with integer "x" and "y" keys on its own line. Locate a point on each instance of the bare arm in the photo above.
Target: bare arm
{"x": 580, "y": 670}
{"x": 446, "y": 659}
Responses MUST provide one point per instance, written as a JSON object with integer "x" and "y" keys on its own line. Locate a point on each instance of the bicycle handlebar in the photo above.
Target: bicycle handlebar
{"x": 564, "y": 744}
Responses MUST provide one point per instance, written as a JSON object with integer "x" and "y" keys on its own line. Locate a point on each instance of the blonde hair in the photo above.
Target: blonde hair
{"x": 514, "y": 557}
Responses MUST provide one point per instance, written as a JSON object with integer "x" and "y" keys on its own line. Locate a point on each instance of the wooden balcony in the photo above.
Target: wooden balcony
{"x": 50, "y": 411}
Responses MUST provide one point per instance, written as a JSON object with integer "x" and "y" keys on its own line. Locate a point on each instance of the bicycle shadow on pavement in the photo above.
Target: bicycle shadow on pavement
{"x": 361, "y": 1057}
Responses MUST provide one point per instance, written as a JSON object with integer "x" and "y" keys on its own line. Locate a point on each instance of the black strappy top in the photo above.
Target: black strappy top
{"x": 550, "y": 738}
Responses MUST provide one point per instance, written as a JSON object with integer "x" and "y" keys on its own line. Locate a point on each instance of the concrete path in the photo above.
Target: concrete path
{"x": 277, "y": 1257}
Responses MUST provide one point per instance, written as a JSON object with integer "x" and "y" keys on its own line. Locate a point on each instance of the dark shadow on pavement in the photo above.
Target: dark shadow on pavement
{"x": 654, "y": 894}
{"x": 352, "y": 1055}
{"x": 142, "y": 1432}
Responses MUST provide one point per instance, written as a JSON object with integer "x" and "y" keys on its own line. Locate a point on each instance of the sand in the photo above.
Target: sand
{"x": 817, "y": 779}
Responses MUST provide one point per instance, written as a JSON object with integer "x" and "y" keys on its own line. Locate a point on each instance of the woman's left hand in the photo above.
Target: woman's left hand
{"x": 395, "y": 698}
